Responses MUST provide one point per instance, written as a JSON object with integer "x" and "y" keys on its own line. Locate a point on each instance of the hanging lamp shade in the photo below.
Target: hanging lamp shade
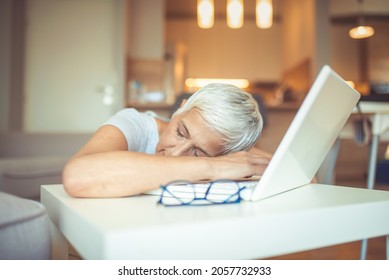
{"x": 235, "y": 12}
{"x": 362, "y": 30}
{"x": 264, "y": 13}
{"x": 205, "y": 13}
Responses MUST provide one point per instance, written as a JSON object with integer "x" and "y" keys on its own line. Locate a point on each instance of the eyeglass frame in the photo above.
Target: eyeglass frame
{"x": 207, "y": 192}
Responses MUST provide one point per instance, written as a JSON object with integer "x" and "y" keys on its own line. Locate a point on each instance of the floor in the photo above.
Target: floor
{"x": 349, "y": 251}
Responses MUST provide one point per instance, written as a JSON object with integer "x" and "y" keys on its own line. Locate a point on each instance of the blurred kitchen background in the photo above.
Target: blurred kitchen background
{"x": 67, "y": 65}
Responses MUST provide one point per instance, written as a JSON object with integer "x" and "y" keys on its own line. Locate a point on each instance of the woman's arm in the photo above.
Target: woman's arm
{"x": 104, "y": 167}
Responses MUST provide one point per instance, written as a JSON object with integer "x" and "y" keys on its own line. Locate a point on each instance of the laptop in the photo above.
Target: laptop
{"x": 315, "y": 127}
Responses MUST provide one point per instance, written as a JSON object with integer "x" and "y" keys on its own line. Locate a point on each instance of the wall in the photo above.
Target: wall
{"x": 5, "y": 62}
{"x": 351, "y": 7}
{"x": 344, "y": 59}
{"x": 74, "y": 59}
{"x": 146, "y": 48}
{"x": 305, "y": 34}
{"x": 11, "y": 64}
{"x": 345, "y": 51}
{"x": 379, "y": 53}
{"x": 146, "y": 30}
{"x": 297, "y": 32}
{"x": 221, "y": 52}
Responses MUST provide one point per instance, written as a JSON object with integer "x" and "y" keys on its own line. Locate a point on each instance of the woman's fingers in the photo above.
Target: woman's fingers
{"x": 240, "y": 165}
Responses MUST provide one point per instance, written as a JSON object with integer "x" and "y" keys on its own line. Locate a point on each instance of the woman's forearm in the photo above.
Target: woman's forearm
{"x": 122, "y": 173}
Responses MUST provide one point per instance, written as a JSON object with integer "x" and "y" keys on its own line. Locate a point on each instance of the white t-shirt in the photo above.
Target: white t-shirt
{"x": 139, "y": 129}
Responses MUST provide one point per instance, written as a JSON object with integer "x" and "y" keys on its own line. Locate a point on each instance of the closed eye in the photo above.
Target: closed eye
{"x": 179, "y": 133}
{"x": 183, "y": 132}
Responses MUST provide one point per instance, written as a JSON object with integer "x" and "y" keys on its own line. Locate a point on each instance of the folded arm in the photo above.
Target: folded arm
{"x": 105, "y": 168}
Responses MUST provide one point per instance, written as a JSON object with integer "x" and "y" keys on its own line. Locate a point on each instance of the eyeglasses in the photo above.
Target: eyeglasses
{"x": 188, "y": 193}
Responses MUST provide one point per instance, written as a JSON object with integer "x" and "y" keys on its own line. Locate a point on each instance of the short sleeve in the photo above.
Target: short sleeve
{"x": 139, "y": 129}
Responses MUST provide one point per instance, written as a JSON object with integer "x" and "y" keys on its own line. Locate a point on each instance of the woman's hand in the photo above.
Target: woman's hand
{"x": 239, "y": 165}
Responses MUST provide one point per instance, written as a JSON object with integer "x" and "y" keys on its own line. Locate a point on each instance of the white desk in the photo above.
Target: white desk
{"x": 305, "y": 218}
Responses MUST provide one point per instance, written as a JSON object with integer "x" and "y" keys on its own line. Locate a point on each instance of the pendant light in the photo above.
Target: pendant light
{"x": 264, "y": 13}
{"x": 235, "y": 13}
{"x": 362, "y": 30}
{"x": 205, "y": 13}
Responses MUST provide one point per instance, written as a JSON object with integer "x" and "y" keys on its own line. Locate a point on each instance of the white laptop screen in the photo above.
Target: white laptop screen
{"x": 308, "y": 139}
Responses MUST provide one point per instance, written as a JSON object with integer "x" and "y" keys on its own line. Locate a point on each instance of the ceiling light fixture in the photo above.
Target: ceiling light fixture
{"x": 362, "y": 30}
{"x": 235, "y": 13}
{"x": 205, "y": 13}
{"x": 264, "y": 13}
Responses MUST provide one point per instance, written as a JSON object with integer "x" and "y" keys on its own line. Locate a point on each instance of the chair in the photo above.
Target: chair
{"x": 24, "y": 229}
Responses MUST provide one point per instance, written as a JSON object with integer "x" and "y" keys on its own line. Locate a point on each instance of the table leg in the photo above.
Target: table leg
{"x": 370, "y": 181}
{"x": 387, "y": 247}
{"x": 363, "y": 252}
{"x": 372, "y": 161}
{"x": 59, "y": 247}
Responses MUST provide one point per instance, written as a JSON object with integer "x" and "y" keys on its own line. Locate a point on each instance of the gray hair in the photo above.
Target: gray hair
{"x": 231, "y": 112}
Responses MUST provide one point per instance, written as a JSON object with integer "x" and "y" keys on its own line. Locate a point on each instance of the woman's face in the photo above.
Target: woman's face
{"x": 187, "y": 134}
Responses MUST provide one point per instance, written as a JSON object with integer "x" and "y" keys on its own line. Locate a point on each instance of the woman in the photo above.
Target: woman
{"x": 211, "y": 136}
